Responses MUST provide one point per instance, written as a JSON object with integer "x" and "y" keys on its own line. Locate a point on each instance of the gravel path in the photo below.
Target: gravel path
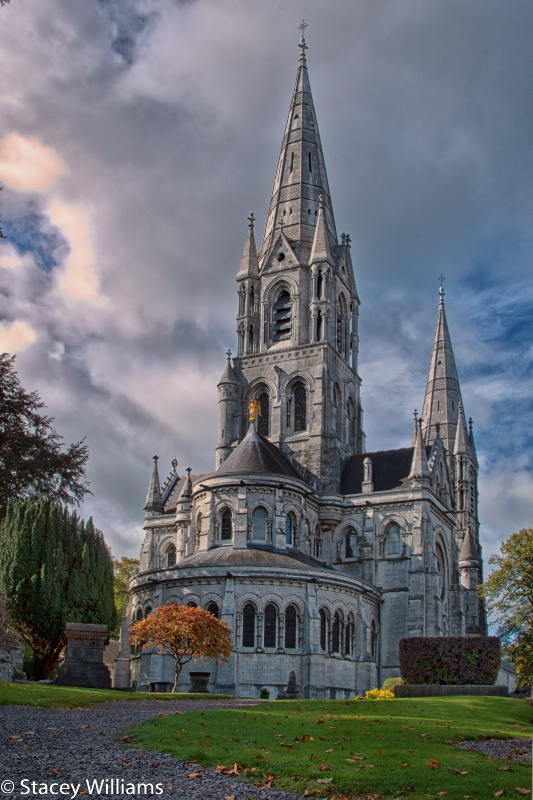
{"x": 513, "y": 749}
{"x": 70, "y": 746}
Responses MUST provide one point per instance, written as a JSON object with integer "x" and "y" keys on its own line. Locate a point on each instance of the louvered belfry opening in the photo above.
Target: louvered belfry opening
{"x": 282, "y": 318}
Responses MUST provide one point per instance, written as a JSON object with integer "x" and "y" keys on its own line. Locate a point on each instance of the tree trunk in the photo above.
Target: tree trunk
{"x": 176, "y": 677}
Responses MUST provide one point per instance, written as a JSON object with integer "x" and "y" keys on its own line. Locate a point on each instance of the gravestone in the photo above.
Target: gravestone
{"x": 292, "y": 692}
{"x": 84, "y": 657}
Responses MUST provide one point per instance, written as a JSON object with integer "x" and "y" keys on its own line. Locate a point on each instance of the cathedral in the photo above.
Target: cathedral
{"x": 320, "y": 555}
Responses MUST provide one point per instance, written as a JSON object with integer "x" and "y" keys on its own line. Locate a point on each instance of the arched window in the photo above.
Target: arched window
{"x": 171, "y": 556}
{"x": 251, "y": 339}
{"x": 394, "y": 540}
{"x": 192, "y": 604}
{"x": 242, "y": 299}
{"x": 289, "y": 528}
{"x": 263, "y": 421}
{"x": 341, "y": 325}
{"x": 350, "y": 414}
{"x": 248, "y": 625}
{"x": 252, "y": 300}
{"x": 198, "y": 524}
{"x": 139, "y": 614}
{"x": 319, "y": 326}
{"x": 317, "y": 543}
{"x": 271, "y": 626}
{"x": 336, "y": 633}
{"x": 259, "y": 524}
{"x": 291, "y": 618}
{"x": 373, "y": 640}
{"x": 300, "y": 407}
{"x": 350, "y": 544}
{"x": 226, "y": 526}
{"x": 441, "y": 569}
{"x": 282, "y": 318}
{"x": 242, "y": 337}
{"x": 319, "y": 284}
{"x": 349, "y": 635}
{"x": 213, "y": 609}
{"x": 323, "y": 629}
{"x": 148, "y": 611}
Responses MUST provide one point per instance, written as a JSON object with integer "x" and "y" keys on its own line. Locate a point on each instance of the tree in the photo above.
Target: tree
{"x": 508, "y": 592}
{"x": 184, "y": 633}
{"x": 54, "y": 568}
{"x": 32, "y": 459}
{"x": 124, "y": 570}
{"x": 8, "y": 637}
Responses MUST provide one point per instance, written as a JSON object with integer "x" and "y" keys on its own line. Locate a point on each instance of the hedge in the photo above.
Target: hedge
{"x": 450, "y": 660}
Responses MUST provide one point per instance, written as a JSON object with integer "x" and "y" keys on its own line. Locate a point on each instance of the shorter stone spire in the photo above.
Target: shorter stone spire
{"x": 471, "y": 442}
{"x": 153, "y": 498}
{"x": 419, "y": 467}
{"x": 461, "y": 445}
{"x": 249, "y": 267}
{"x": 321, "y": 251}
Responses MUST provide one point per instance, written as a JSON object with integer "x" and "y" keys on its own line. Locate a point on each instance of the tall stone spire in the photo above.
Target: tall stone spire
{"x": 153, "y": 498}
{"x": 443, "y": 394}
{"x": 300, "y": 176}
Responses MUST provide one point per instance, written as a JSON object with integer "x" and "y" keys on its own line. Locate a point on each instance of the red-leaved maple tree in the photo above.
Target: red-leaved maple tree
{"x": 185, "y": 633}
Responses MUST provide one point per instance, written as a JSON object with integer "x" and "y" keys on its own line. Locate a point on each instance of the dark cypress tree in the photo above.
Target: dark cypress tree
{"x": 54, "y": 569}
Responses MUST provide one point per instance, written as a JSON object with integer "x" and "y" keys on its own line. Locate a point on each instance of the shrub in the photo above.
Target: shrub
{"x": 379, "y": 694}
{"x": 390, "y": 683}
{"x": 264, "y": 694}
{"x": 450, "y": 660}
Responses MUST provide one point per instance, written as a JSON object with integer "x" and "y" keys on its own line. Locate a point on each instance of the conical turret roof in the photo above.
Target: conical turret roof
{"x": 469, "y": 555}
{"x": 256, "y": 454}
{"x": 300, "y": 176}
{"x": 461, "y": 444}
{"x": 228, "y": 375}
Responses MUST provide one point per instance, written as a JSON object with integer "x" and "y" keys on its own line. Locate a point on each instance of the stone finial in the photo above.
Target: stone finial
{"x": 367, "y": 485}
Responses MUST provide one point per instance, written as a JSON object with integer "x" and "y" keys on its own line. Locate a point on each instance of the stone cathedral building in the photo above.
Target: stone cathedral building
{"x": 319, "y": 554}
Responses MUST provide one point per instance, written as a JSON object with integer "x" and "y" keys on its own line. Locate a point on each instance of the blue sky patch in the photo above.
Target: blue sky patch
{"x": 32, "y": 233}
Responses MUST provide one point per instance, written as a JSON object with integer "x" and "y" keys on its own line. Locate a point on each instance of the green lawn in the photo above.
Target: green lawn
{"x": 377, "y": 749}
{"x": 49, "y": 696}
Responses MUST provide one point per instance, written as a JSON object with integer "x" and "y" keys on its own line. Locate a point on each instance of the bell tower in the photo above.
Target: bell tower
{"x": 298, "y": 308}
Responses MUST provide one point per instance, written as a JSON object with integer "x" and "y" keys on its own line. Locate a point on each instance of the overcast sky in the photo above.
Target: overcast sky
{"x": 137, "y": 135}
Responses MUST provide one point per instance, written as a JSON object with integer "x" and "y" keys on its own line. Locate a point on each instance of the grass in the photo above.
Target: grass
{"x": 370, "y": 749}
{"x": 50, "y": 696}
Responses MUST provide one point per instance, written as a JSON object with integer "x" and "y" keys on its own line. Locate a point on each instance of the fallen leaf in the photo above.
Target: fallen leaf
{"x": 330, "y": 750}
{"x": 459, "y": 771}
{"x": 195, "y": 774}
{"x": 324, "y": 780}
{"x": 29, "y": 733}
{"x": 324, "y": 768}
{"x": 500, "y": 793}
{"x": 380, "y": 752}
{"x": 367, "y": 766}
{"x": 442, "y": 794}
{"x": 433, "y": 763}
{"x": 522, "y": 791}
{"x": 230, "y": 797}
{"x": 504, "y": 769}
{"x": 13, "y": 737}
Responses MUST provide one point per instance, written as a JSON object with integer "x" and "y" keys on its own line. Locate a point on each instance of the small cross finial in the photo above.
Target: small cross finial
{"x": 470, "y": 425}
{"x": 189, "y": 470}
{"x": 228, "y": 353}
{"x": 155, "y": 458}
{"x": 174, "y": 463}
{"x": 348, "y": 239}
{"x": 343, "y": 238}
{"x": 415, "y": 414}
{"x": 441, "y": 290}
{"x": 251, "y": 219}
{"x": 303, "y": 47}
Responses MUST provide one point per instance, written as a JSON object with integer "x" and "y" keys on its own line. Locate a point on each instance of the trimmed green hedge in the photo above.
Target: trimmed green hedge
{"x": 450, "y": 660}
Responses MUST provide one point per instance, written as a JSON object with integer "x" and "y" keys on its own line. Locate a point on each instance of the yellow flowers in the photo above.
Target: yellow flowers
{"x": 379, "y": 694}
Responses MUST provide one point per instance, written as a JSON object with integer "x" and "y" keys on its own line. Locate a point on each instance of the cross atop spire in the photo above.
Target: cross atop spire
{"x": 303, "y": 47}
{"x": 442, "y": 278}
{"x": 251, "y": 220}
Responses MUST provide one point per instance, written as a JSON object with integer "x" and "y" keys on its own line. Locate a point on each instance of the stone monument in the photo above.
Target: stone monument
{"x": 84, "y": 657}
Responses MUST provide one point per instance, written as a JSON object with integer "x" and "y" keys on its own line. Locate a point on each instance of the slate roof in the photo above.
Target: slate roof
{"x": 256, "y": 454}
{"x": 390, "y": 470}
{"x": 252, "y": 556}
{"x": 173, "y": 488}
